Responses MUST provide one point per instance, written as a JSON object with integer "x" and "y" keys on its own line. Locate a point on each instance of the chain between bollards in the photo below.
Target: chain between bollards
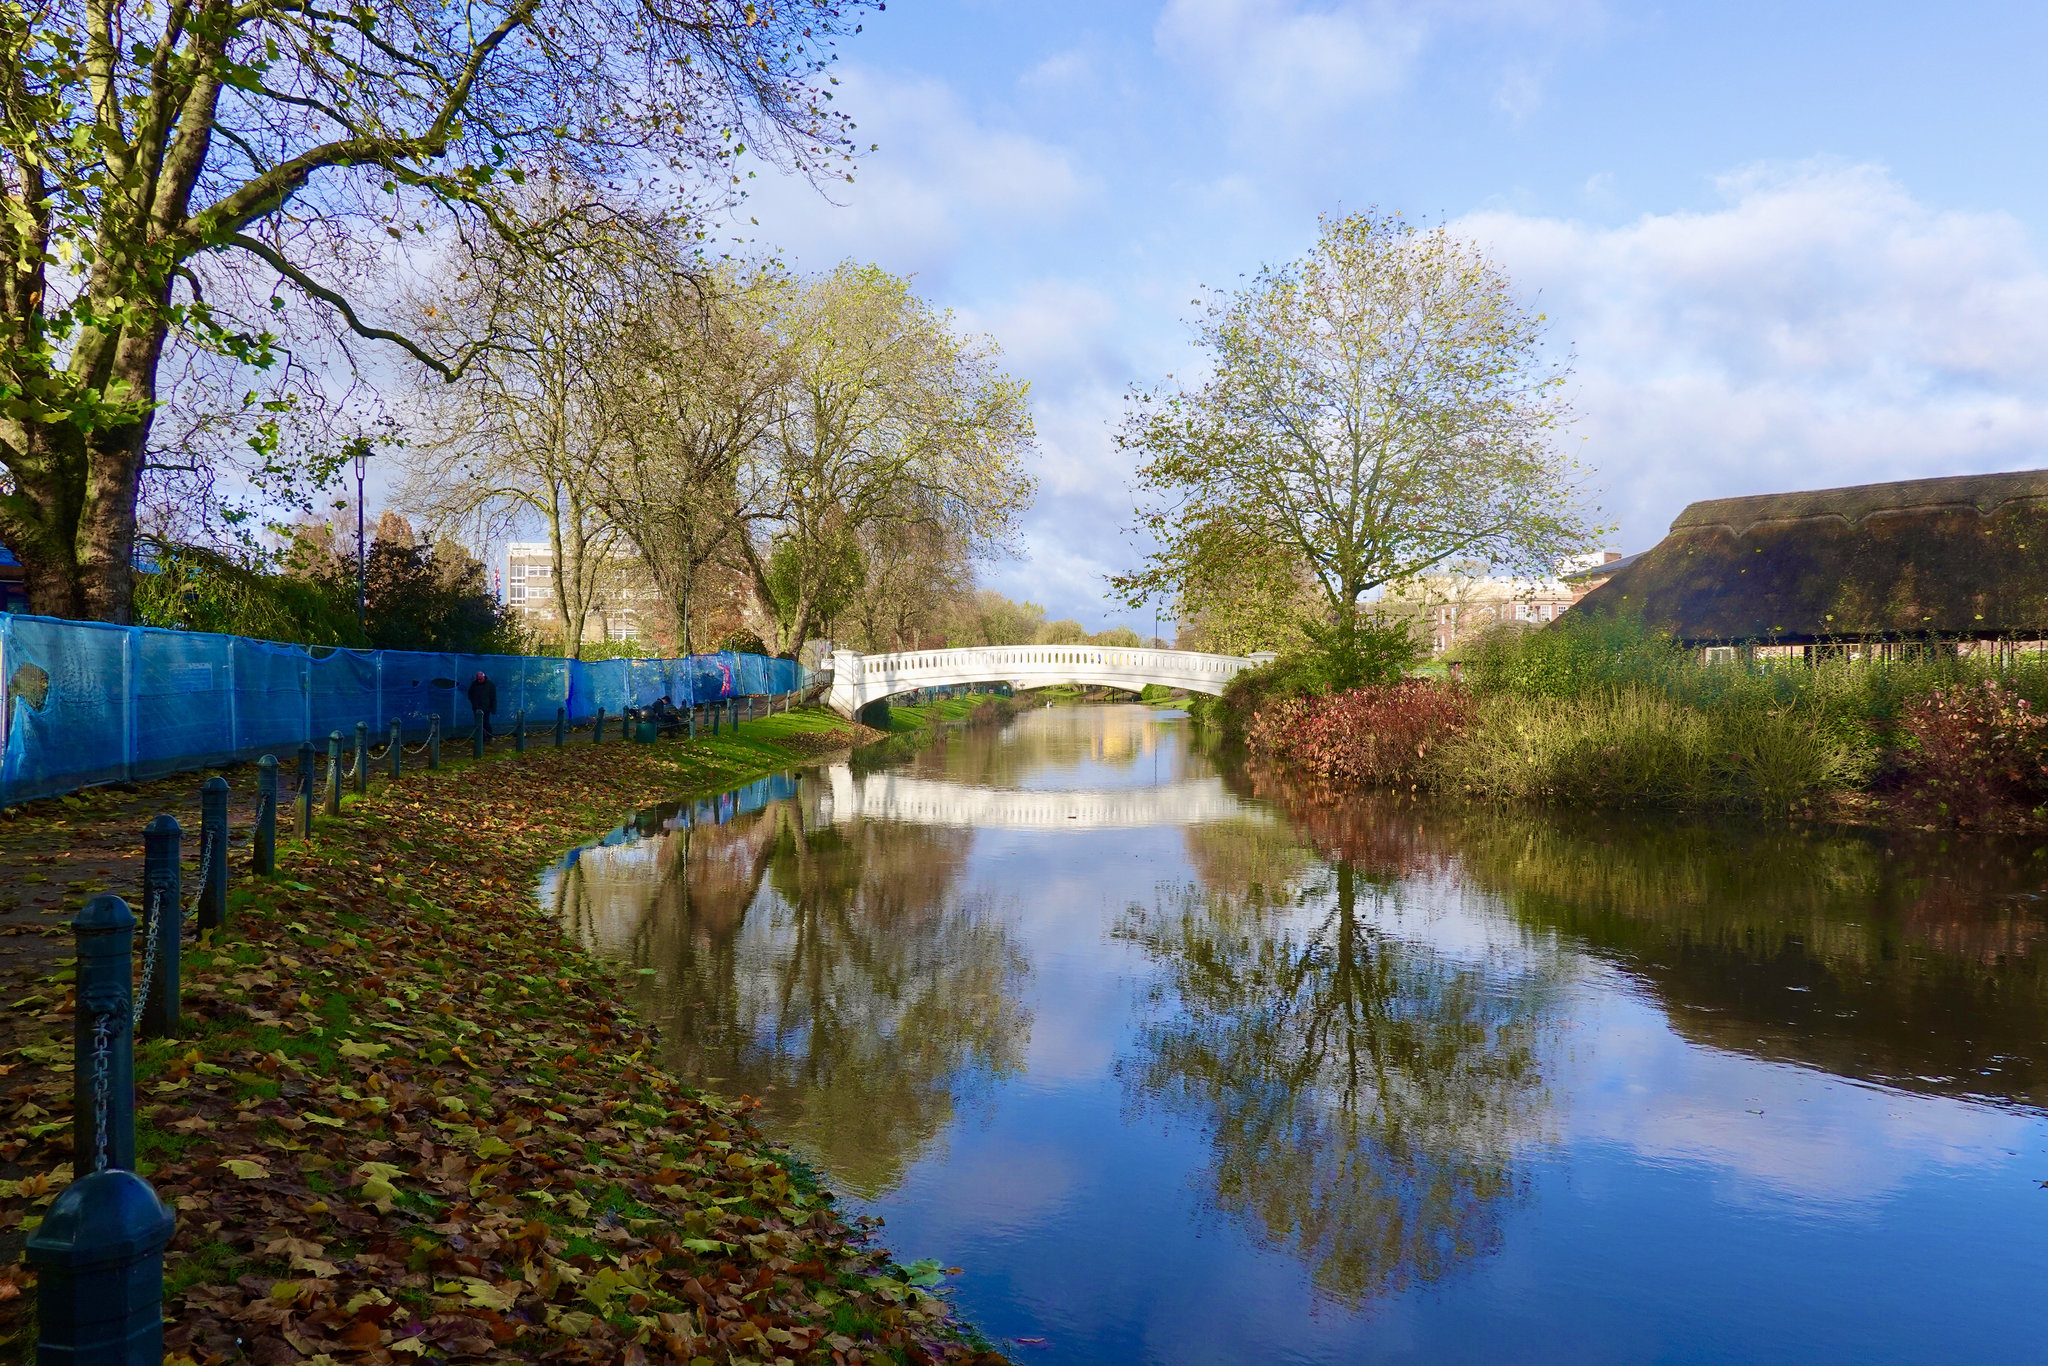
{"x": 163, "y": 895}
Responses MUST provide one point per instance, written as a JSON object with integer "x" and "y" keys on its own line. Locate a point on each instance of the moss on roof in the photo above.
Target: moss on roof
{"x": 1957, "y": 557}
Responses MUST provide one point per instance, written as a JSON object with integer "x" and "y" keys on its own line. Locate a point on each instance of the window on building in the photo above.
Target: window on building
{"x": 536, "y": 571}
{"x": 518, "y": 592}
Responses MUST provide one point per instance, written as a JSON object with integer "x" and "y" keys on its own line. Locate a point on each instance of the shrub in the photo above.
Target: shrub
{"x": 1637, "y": 747}
{"x": 1379, "y": 734}
{"x": 1358, "y": 654}
{"x": 1974, "y": 747}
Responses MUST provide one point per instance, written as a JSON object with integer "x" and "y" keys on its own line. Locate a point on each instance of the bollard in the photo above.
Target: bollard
{"x": 263, "y": 849}
{"x": 99, "y": 1253}
{"x": 163, "y": 909}
{"x": 714, "y": 718}
{"x": 305, "y": 761}
{"x": 519, "y": 732}
{"x": 476, "y": 738}
{"x": 100, "y": 1279}
{"x": 693, "y": 720}
{"x": 213, "y": 853}
{"x": 396, "y": 750}
{"x": 362, "y": 757}
{"x": 334, "y": 773}
{"x": 561, "y": 725}
{"x": 434, "y": 740}
{"x": 102, "y": 1041}
{"x": 597, "y": 730}
{"x": 304, "y": 802}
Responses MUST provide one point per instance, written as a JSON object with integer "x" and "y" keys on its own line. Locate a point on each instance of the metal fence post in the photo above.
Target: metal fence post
{"x": 102, "y": 1040}
{"x": 334, "y": 773}
{"x": 597, "y": 731}
{"x": 362, "y": 757}
{"x": 99, "y": 1253}
{"x": 434, "y": 740}
{"x": 397, "y": 750}
{"x": 213, "y": 852}
{"x": 519, "y": 732}
{"x": 163, "y": 903}
{"x": 561, "y": 725}
{"x": 263, "y": 856}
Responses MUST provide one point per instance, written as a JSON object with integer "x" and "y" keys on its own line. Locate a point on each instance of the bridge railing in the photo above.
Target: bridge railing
{"x": 998, "y": 661}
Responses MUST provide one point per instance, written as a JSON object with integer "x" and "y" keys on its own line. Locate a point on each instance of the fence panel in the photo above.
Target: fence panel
{"x": 84, "y": 702}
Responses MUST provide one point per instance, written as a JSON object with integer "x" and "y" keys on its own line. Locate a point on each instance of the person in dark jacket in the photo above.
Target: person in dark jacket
{"x": 483, "y": 700}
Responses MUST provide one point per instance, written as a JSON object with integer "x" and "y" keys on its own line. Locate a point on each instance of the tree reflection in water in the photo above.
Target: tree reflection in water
{"x": 836, "y": 974}
{"x": 1364, "y": 1093}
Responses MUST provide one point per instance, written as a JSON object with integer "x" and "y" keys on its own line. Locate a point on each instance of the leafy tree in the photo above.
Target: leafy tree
{"x": 158, "y": 160}
{"x": 889, "y": 419}
{"x": 198, "y": 588}
{"x": 1374, "y": 409}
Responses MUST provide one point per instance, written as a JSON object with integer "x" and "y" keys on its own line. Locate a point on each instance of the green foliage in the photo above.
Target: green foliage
{"x": 1635, "y": 746}
{"x": 1351, "y": 654}
{"x": 200, "y": 589}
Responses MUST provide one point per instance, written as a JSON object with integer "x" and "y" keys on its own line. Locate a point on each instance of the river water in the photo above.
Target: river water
{"x": 1183, "y": 1066}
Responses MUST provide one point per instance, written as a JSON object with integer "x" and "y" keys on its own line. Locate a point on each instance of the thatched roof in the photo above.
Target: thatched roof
{"x": 1955, "y": 558}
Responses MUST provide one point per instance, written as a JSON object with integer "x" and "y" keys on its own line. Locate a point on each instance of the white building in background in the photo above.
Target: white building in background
{"x": 1452, "y": 608}
{"x": 623, "y": 609}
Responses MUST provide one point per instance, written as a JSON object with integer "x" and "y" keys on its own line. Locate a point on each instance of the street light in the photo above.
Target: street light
{"x": 361, "y": 456}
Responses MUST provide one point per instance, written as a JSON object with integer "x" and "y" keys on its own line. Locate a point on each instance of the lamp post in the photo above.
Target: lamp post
{"x": 361, "y": 456}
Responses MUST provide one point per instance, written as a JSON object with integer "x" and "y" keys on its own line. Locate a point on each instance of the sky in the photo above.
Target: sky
{"x": 1786, "y": 246}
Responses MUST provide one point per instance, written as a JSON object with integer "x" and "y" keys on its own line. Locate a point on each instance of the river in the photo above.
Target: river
{"x": 1182, "y": 1066}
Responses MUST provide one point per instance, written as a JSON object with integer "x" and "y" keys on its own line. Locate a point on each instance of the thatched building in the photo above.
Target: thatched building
{"x": 1955, "y": 559}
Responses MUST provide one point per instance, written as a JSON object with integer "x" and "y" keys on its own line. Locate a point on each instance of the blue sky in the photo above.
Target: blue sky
{"x": 1790, "y": 246}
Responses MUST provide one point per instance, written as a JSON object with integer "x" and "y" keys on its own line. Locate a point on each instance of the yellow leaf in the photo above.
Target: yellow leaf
{"x": 350, "y": 1048}
{"x": 488, "y": 1296}
{"x": 248, "y": 1171}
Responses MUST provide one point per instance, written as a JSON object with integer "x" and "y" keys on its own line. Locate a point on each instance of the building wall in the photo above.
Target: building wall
{"x": 631, "y": 609}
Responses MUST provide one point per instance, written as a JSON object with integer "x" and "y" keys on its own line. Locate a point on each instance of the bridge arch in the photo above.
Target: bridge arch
{"x": 859, "y": 679}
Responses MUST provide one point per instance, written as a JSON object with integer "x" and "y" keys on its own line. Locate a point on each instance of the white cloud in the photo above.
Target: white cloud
{"x": 1821, "y": 326}
{"x": 1284, "y": 64}
{"x": 939, "y": 175}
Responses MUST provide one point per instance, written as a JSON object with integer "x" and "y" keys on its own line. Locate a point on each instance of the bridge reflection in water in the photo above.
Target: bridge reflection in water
{"x": 1531, "y": 1086}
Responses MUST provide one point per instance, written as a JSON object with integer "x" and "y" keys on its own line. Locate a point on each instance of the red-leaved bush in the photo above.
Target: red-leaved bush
{"x": 1376, "y": 734}
{"x": 1976, "y": 747}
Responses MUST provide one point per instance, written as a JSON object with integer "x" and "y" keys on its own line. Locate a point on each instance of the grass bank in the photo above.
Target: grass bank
{"x": 1603, "y": 713}
{"x": 406, "y": 1120}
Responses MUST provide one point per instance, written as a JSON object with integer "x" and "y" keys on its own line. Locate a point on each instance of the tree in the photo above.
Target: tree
{"x": 912, "y": 580}
{"x": 1376, "y": 408}
{"x": 692, "y": 386}
{"x": 521, "y": 433}
{"x": 149, "y": 146}
{"x": 889, "y": 419}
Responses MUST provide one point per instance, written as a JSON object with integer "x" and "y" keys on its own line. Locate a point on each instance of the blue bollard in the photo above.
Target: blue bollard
{"x": 213, "y": 853}
{"x": 434, "y": 740}
{"x": 561, "y": 726}
{"x": 362, "y": 757}
{"x": 100, "y": 1273}
{"x": 263, "y": 854}
{"x": 104, "y": 931}
{"x": 334, "y": 773}
{"x": 519, "y": 732}
{"x": 163, "y": 893}
{"x": 396, "y": 750}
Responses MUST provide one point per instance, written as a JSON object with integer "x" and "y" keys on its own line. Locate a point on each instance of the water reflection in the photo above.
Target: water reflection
{"x": 1187, "y": 1064}
{"x": 1363, "y": 1094}
{"x": 836, "y": 973}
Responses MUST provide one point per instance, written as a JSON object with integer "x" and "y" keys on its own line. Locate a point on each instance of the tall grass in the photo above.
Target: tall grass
{"x": 1635, "y": 746}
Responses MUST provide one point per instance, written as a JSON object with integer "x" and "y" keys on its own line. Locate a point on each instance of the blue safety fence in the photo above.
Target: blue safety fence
{"x": 87, "y": 703}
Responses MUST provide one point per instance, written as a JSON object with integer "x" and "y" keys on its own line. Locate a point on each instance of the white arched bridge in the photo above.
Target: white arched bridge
{"x": 888, "y": 796}
{"x": 859, "y": 679}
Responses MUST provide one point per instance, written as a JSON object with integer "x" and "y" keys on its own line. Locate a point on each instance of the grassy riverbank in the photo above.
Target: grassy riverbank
{"x": 1604, "y": 714}
{"x": 406, "y": 1120}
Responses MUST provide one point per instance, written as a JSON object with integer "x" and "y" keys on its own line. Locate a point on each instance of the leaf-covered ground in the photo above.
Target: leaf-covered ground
{"x": 405, "y": 1120}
